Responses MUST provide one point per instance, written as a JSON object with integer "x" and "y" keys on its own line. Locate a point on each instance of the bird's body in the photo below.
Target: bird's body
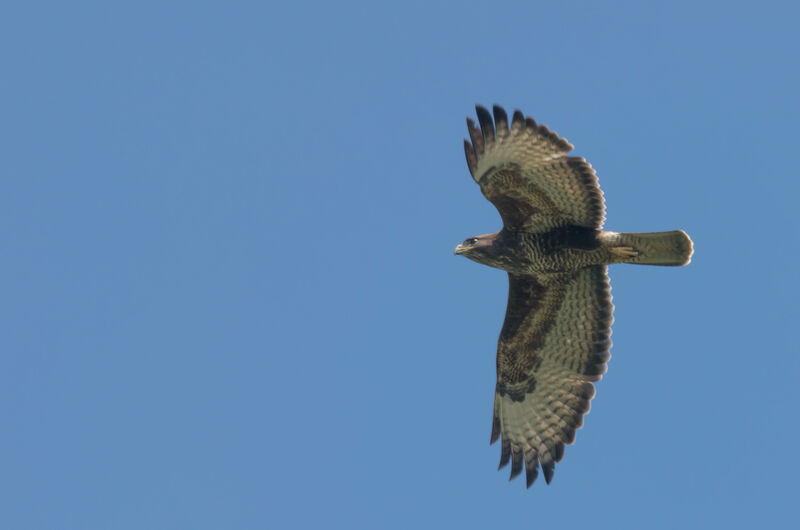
{"x": 556, "y": 335}
{"x": 564, "y": 249}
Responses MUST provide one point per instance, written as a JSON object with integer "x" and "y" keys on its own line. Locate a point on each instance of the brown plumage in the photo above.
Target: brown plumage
{"x": 556, "y": 336}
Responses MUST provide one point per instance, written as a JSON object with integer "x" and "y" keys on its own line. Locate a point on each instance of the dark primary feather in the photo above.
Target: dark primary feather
{"x": 487, "y": 127}
{"x": 495, "y": 426}
{"x": 500, "y": 120}
{"x": 516, "y": 461}
{"x": 548, "y": 470}
{"x": 469, "y": 152}
{"x": 505, "y": 453}
{"x": 476, "y": 137}
{"x": 518, "y": 120}
{"x": 531, "y": 467}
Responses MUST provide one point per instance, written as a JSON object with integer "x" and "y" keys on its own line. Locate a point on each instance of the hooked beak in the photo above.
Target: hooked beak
{"x": 460, "y": 249}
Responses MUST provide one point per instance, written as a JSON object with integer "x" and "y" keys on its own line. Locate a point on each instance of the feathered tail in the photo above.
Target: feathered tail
{"x": 652, "y": 248}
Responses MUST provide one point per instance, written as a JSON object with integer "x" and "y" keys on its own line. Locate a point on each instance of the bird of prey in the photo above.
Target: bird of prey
{"x": 556, "y": 335}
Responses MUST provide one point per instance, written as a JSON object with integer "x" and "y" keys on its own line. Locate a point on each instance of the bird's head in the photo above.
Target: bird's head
{"x": 478, "y": 248}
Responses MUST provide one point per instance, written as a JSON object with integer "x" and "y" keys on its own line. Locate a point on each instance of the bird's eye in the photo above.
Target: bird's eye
{"x": 472, "y": 241}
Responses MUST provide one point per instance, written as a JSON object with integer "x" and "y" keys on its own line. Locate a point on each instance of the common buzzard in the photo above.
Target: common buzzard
{"x": 556, "y": 336}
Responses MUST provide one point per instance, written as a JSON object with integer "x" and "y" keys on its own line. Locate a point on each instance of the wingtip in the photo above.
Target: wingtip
{"x": 495, "y": 430}
{"x": 531, "y": 467}
{"x": 500, "y": 119}
{"x": 469, "y": 153}
{"x": 530, "y": 477}
{"x": 486, "y": 123}
{"x": 548, "y": 470}
{"x": 516, "y": 462}
{"x": 505, "y": 454}
{"x": 476, "y": 136}
{"x": 518, "y": 120}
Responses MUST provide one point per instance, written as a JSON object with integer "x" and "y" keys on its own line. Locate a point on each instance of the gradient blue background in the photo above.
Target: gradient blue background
{"x": 228, "y": 294}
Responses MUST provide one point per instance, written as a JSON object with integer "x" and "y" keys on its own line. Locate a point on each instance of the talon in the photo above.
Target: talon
{"x": 624, "y": 252}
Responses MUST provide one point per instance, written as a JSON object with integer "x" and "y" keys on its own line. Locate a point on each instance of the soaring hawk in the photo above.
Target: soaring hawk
{"x": 556, "y": 336}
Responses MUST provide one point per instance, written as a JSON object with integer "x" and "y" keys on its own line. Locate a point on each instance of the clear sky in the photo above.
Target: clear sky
{"x": 228, "y": 295}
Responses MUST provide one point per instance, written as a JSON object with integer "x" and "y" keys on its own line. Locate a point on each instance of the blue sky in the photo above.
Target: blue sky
{"x": 229, "y": 298}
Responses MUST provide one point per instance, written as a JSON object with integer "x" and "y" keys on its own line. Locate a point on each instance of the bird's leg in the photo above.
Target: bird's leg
{"x": 623, "y": 252}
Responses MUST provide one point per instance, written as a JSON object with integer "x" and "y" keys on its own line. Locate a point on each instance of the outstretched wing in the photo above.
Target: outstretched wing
{"x": 525, "y": 172}
{"x": 553, "y": 345}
